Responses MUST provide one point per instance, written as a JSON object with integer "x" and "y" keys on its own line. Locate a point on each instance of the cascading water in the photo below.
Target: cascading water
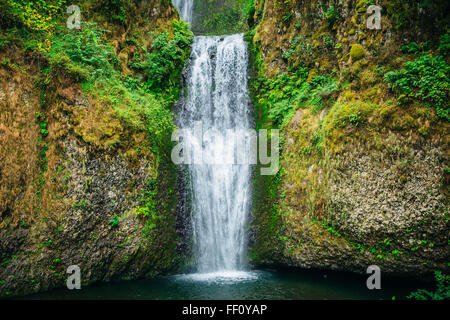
{"x": 218, "y": 100}
{"x": 185, "y": 8}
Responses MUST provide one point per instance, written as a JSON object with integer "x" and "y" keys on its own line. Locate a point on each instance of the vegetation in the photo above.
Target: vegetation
{"x": 442, "y": 291}
{"x": 283, "y": 95}
{"x": 223, "y": 16}
{"x": 357, "y": 52}
{"x": 110, "y": 95}
{"x": 425, "y": 79}
{"x": 148, "y": 205}
{"x": 115, "y": 221}
{"x": 338, "y": 92}
{"x": 86, "y": 57}
{"x": 37, "y": 16}
{"x": 162, "y": 66}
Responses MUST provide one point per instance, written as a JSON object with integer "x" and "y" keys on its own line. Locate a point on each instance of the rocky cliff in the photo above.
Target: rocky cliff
{"x": 85, "y": 123}
{"x": 364, "y": 117}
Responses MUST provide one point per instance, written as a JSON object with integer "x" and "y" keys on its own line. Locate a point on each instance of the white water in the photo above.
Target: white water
{"x": 184, "y": 8}
{"x": 223, "y": 277}
{"x": 218, "y": 97}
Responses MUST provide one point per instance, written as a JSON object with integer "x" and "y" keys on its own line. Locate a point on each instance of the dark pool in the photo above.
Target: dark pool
{"x": 258, "y": 284}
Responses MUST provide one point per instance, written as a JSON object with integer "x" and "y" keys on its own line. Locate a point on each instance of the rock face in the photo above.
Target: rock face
{"x": 374, "y": 204}
{"x": 78, "y": 184}
{"x": 350, "y": 193}
{"x": 84, "y": 213}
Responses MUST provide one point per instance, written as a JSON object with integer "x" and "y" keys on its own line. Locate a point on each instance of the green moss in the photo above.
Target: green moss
{"x": 265, "y": 209}
{"x": 422, "y": 131}
{"x": 349, "y": 95}
{"x": 368, "y": 77}
{"x": 357, "y": 52}
{"x": 345, "y": 116}
{"x": 223, "y": 16}
{"x": 371, "y": 94}
{"x": 362, "y": 5}
{"x": 401, "y": 121}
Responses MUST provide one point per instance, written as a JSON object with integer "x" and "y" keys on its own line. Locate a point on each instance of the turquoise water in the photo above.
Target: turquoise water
{"x": 259, "y": 284}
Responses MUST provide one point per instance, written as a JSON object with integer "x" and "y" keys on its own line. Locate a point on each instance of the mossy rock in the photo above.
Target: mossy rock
{"x": 357, "y": 52}
{"x": 349, "y": 95}
{"x": 401, "y": 122}
{"x": 361, "y": 5}
{"x": 371, "y": 94}
{"x": 356, "y": 67}
{"x": 361, "y": 35}
{"x": 368, "y": 77}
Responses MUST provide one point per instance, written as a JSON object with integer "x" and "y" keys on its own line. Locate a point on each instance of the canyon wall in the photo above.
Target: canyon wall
{"x": 85, "y": 123}
{"x": 363, "y": 112}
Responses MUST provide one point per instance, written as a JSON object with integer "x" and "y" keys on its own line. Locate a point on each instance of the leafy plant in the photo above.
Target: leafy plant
{"x": 413, "y": 47}
{"x": 331, "y": 15}
{"x": 444, "y": 44}
{"x": 287, "y": 17}
{"x": 287, "y": 92}
{"x": 115, "y": 221}
{"x": 148, "y": 201}
{"x": 85, "y": 50}
{"x": 163, "y": 64}
{"x": 85, "y": 56}
{"x": 37, "y": 16}
{"x": 442, "y": 291}
{"x": 80, "y": 205}
{"x": 426, "y": 79}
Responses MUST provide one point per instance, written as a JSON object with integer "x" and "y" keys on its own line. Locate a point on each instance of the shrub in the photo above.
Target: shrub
{"x": 115, "y": 221}
{"x": 281, "y": 110}
{"x": 85, "y": 49}
{"x": 425, "y": 79}
{"x": 442, "y": 292}
{"x": 86, "y": 56}
{"x": 37, "y": 16}
{"x": 413, "y": 47}
{"x": 163, "y": 65}
{"x": 331, "y": 15}
{"x": 282, "y": 95}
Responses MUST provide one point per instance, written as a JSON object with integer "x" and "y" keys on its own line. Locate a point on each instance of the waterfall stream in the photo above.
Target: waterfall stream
{"x": 218, "y": 100}
{"x": 185, "y": 8}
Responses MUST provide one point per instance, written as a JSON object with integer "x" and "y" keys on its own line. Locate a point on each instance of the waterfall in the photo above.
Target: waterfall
{"x": 218, "y": 99}
{"x": 184, "y": 8}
